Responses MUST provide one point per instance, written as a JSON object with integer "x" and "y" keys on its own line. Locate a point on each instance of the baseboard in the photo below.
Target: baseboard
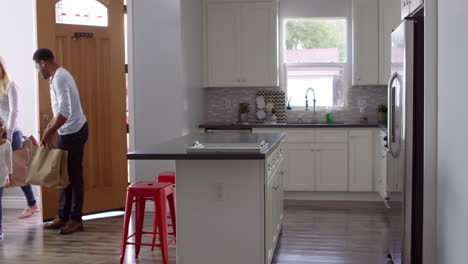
{"x": 333, "y": 196}
{"x": 14, "y": 202}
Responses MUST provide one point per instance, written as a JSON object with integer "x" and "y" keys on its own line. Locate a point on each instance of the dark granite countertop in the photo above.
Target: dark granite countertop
{"x": 284, "y": 125}
{"x": 176, "y": 149}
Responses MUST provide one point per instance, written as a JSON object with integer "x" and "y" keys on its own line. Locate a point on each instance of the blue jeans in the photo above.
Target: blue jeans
{"x": 16, "y": 143}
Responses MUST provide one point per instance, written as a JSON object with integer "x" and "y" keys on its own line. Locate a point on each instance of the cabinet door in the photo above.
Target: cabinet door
{"x": 269, "y": 191}
{"x": 389, "y": 19}
{"x": 222, "y": 36}
{"x": 300, "y": 167}
{"x": 257, "y": 50}
{"x": 365, "y": 42}
{"x": 360, "y": 160}
{"x": 332, "y": 167}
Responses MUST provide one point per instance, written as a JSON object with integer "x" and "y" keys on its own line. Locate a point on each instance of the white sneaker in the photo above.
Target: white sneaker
{"x": 1, "y": 236}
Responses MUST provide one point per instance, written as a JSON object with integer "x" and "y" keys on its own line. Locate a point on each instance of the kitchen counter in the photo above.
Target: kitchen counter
{"x": 225, "y": 197}
{"x": 284, "y": 125}
{"x": 176, "y": 149}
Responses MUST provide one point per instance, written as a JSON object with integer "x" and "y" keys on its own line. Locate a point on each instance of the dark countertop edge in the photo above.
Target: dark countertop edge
{"x": 204, "y": 156}
{"x": 207, "y": 156}
{"x": 249, "y": 126}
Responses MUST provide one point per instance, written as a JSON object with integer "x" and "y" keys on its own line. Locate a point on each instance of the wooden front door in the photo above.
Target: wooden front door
{"x": 96, "y": 61}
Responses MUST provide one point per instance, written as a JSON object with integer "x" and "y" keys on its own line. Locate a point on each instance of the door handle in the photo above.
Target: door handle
{"x": 391, "y": 118}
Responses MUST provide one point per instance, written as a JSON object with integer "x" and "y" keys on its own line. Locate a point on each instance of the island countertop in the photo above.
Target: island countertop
{"x": 176, "y": 149}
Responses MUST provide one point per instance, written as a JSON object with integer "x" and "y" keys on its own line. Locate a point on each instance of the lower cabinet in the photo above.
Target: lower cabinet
{"x": 361, "y": 155}
{"x": 331, "y": 167}
{"x": 317, "y": 167}
{"x": 273, "y": 211}
{"x": 300, "y": 165}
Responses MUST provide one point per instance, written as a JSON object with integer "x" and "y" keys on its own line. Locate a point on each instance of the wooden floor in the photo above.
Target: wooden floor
{"x": 320, "y": 232}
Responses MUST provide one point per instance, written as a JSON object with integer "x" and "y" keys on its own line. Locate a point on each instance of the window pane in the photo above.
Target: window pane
{"x": 315, "y": 40}
{"x": 81, "y": 12}
{"x": 327, "y": 82}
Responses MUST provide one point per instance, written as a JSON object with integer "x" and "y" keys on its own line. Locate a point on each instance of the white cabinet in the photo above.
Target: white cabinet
{"x": 365, "y": 42}
{"x": 373, "y": 22}
{"x": 221, "y": 44}
{"x": 409, "y": 6}
{"x": 331, "y": 167}
{"x": 361, "y": 156}
{"x": 300, "y": 167}
{"x": 389, "y": 19}
{"x": 241, "y": 44}
{"x": 273, "y": 210}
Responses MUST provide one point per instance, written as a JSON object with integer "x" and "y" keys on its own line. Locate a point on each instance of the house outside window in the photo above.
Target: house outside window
{"x": 316, "y": 56}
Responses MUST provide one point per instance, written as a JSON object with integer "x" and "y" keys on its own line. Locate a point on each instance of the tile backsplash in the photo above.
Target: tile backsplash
{"x": 222, "y": 104}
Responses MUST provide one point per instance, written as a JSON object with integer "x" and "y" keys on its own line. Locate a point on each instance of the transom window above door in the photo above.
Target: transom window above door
{"x": 81, "y": 12}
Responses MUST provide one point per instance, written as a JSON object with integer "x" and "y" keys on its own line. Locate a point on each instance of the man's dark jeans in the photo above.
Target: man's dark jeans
{"x": 71, "y": 198}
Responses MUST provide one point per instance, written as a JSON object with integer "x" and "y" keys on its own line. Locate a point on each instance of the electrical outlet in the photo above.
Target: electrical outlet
{"x": 219, "y": 192}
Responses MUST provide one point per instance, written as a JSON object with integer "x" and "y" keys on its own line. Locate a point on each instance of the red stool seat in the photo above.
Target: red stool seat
{"x": 166, "y": 176}
{"x": 139, "y": 193}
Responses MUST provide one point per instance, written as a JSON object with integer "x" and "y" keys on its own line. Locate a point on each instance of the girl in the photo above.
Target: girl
{"x": 9, "y": 112}
{"x": 5, "y": 164}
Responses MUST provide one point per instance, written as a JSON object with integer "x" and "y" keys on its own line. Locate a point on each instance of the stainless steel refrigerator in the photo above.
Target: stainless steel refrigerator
{"x": 405, "y": 135}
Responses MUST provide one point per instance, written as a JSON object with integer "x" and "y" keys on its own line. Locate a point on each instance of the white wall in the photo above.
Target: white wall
{"x": 452, "y": 194}
{"x": 165, "y": 75}
{"x": 17, "y": 45}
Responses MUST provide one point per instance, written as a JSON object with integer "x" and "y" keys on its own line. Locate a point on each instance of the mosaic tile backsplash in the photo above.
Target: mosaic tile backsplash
{"x": 222, "y": 104}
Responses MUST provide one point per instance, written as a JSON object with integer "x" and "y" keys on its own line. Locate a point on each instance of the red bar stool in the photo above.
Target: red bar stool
{"x": 166, "y": 176}
{"x": 139, "y": 193}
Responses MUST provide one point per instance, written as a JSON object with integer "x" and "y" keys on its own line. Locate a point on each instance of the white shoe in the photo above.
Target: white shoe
{"x": 1, "y": 236}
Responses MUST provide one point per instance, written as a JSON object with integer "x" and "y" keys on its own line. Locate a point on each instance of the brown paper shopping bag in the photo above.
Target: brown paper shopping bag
{"x": 48, "y": 168}
{"x": 21, "y": 161}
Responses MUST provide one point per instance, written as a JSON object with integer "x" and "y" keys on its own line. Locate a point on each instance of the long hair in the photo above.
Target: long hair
{"x": 6, "y": 79}
{"x": 4, "y": 135}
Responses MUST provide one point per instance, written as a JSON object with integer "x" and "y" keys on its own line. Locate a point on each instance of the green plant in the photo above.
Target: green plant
{"x": 381, "y": 108}
{"x": 244, "y": 108}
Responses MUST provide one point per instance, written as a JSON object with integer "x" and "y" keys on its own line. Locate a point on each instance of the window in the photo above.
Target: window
{"x": 316, "y": 56}
{"x": 81, "y": 12}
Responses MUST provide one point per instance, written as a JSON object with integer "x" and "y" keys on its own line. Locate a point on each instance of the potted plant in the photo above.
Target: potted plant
{"x": 243, "y": 111}
{"x": 382, "y": 113}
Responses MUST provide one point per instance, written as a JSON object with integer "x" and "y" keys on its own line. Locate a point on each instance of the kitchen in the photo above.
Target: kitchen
{"x": 169, "y": 96}
{"x": 335, "y": 148}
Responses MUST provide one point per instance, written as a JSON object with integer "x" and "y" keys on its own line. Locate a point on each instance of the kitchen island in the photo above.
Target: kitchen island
{"x": 229, "y": 201}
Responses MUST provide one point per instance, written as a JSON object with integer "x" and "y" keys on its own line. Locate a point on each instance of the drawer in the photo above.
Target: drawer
{"x": 299, "y": 135}
{"x": 339, "y": 135}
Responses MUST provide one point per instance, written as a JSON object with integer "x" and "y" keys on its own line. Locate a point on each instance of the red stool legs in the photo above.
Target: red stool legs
{"x": 128, "y": 214}
{"x": 140, "y": 216}
{"x": 162, "y": 225}
{"x": 171, "y": 200}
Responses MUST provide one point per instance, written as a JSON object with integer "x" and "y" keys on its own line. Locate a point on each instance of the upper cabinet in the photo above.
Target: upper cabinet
{"x": 388, "y": 21}
{"x": 409, "y": 6}
{"x": 365, "y": 42}
{"x": 241, "y": 44}
{"x": 373, "y": 22}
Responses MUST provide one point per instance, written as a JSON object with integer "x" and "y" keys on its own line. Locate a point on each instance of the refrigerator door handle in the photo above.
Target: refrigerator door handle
{"x": 391, "y": 118}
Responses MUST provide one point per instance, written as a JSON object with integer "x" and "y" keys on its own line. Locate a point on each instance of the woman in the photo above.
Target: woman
{"x": 9, "y": 110}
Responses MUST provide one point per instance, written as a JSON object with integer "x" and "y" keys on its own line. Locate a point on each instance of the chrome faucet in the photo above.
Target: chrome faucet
{"x": 314, "y": 101}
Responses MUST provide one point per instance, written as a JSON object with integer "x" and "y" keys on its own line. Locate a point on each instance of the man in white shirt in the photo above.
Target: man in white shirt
{"x": 72, "y": 127}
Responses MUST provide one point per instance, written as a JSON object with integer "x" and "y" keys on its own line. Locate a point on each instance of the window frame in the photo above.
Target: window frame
{"x": 346, "y": 64}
